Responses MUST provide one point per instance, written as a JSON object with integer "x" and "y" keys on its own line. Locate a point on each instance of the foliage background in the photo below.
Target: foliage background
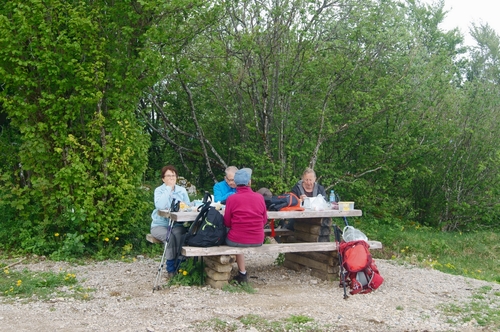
{"x": 391, "y": 111}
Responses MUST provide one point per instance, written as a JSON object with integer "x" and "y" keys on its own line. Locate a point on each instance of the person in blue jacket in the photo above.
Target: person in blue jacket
{"x": 224, "y": 189}
{"x": 163, "y": 197}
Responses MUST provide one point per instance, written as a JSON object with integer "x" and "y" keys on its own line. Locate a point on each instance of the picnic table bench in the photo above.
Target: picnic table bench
{"x": 309, "y": 248}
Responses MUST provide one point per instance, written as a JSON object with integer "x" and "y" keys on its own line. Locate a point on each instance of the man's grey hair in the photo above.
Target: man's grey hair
{"x": 309, "y": 170}
{"x": 231, "y": 170}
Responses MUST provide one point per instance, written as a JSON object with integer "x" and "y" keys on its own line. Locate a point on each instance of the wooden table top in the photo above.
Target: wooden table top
{"x": 191, "y": 216}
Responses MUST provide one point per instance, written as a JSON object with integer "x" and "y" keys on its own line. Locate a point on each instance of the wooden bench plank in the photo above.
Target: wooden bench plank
{"x": 152, "y": 239}
{"x": 267, "y": 232}
{"x": 267, "y": 248}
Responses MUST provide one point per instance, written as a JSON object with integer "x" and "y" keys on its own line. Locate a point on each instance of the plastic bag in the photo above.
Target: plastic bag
{"x": 317, "y": 203}
{"x": 352, "y": 234}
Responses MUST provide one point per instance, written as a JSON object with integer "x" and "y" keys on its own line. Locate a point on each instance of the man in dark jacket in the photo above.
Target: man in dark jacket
{"x": 306, "y": 187}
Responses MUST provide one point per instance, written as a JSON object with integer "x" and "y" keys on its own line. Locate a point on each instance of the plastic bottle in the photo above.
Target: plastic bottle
{"x": 332, "y": 196}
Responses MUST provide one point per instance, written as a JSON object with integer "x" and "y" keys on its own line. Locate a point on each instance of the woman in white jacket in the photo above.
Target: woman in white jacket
{"x": 164, "y": 195}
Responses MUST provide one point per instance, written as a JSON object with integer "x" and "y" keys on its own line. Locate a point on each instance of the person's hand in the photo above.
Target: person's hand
{"x": 170, "y": 180}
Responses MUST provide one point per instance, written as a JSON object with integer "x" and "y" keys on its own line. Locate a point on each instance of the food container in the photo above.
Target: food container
{"x": 346, "y": 206}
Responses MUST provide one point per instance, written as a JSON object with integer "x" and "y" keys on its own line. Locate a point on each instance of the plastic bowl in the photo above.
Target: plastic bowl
{"x": 346, "y": 206}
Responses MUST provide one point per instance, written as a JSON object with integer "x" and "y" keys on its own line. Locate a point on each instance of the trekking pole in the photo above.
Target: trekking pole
{"x": 342, "y": 274}
{"x": 156, "y": 285}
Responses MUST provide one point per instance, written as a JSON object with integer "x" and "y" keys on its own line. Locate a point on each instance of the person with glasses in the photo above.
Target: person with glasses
{"x": 163, "y": 197}
{"x": 224, "y": 189}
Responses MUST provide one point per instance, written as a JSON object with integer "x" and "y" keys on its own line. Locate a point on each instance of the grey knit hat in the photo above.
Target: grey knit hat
{"x": 242, "y": 177}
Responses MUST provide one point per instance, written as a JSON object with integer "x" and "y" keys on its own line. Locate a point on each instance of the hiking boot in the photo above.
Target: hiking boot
{"x": 240, "y": 278}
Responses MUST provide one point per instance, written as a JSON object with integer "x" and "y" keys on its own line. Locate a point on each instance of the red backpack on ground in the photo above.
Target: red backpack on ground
{"x": 361, "y": 273}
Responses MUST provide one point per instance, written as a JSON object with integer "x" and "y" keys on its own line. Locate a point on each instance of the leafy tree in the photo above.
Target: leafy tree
{"x": 470, "y": 156}
{"x": 71, "y": 84}
{"x": 359, "y": 90}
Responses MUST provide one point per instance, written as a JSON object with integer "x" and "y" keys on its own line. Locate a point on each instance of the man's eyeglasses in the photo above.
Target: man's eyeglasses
{"x": 170, "y": 176}
{"x": 229, "y": 180}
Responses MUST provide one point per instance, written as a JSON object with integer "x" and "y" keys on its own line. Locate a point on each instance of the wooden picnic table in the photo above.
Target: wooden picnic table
{"x": 309, "y": 227}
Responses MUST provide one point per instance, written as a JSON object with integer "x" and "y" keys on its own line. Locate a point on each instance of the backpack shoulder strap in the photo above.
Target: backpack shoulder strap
{"x": 207, "y": 197}
{"x": 293, "y": 195}
{"x": 203, "y": 211}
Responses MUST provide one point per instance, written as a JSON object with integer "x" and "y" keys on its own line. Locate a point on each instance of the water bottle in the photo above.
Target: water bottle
{"x": 332, "y": 196}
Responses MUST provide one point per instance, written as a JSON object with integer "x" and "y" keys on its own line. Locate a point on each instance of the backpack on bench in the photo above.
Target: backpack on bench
{"x": 361, "y": 273}
{"x": 208, "y": 229}
{"x": 283, "y": 202}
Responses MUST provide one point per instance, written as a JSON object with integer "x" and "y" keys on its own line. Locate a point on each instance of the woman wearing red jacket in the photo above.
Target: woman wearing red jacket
{"x": 245, "y": 216}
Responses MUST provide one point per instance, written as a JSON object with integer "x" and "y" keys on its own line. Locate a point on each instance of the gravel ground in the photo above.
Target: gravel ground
{"x": 409, "y": 300}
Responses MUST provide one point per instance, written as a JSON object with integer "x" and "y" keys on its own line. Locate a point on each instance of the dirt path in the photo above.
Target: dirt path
{"x": 409, "y": 300}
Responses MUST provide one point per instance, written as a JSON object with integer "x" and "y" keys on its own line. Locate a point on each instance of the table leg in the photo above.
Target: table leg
{"x": 323, "y": 265}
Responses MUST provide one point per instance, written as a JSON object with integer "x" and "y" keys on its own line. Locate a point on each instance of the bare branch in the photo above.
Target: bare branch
{"x": 201, "y": 135}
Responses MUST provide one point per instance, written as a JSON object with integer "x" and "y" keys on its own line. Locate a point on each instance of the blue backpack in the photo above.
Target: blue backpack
{"x": 283, "y": 202}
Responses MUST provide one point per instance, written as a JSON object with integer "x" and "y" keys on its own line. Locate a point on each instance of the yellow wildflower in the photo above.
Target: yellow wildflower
{"x": 185, "y": 273}
{"x": 19, "y": 282}
{"x": 106, "y": 239}
{"x": 56, "y": 234}
{"x": 6, "y": 271}
{"x": 117, "y": 238}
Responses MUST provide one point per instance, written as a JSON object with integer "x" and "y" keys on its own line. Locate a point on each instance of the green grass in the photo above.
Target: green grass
{"x": 234, "y": 287}
{"x": 483, "y": 307}
{"x": 257, "y": 323}
{"x": 472, "y": 254}
{"x": 190, "y": 273}
{"x": 35, "y": 285}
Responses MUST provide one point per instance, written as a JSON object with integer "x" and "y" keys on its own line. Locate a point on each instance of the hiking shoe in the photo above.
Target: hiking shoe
{"x": 240, "y": 278}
